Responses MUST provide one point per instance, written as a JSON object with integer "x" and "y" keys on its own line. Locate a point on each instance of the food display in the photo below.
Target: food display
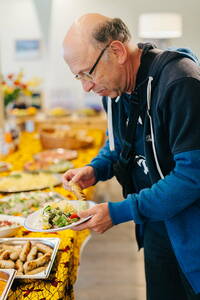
{"x": 9, "y": 225}
{"x": 77, "y": 139}
{"x": 24, "y": 204}
{"x": 40, "y": 165}
{"x": 87, "y": 112}
{"x": 56, "y": 155}
{"x": 4, "y": 166}
{"x": 58, "y": 112}
{"x": 70, "y": 138}
{"x": 60, "y": 214}
{"x": 23, "y": 181}
{"x": 19, "y": 112}
{"x": 24, "y": 257}
{"x": 28, "y": 257}
{"x": 57, "y": 216}
{"x": 27, "y": 202}
{"x": 6, "y": 279}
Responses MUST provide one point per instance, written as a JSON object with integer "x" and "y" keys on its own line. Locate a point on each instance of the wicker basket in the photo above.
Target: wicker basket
{"x": 52, "y": 138}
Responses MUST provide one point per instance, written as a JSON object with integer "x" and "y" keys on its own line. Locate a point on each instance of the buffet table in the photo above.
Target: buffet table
{"x": 41, "y": 120}
{"x": 59, "y": 285}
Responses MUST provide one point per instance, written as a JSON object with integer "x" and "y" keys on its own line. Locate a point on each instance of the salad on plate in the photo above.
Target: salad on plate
{"x": 57, "y": 216}
{"x": 60, "y": 214}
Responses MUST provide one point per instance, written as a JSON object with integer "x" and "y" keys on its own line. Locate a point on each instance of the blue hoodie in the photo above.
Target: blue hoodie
{"x": 174, "y": 194}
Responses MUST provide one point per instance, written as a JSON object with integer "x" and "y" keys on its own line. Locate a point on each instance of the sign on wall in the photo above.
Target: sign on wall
{"x": 27, "y": 49}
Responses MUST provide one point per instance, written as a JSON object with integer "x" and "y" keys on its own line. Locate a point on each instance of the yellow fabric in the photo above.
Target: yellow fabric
{"x": 59, "y": 285}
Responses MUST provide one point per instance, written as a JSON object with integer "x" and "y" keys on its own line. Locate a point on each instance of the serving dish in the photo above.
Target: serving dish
{"x": 58, "y": 112}
{"x": 70, "y": 138}
{"x": 24, "y": 203}
{"x": 6, "y": 277}
{"x": 23, "y": 181}
{"x": 23, "y": 112}
{"x": 34, "y": 221}
{"x": 9, "y": 225}
{"x": 43, "y": 264}
{"x": 56, "y": 155}
{"x": 40, "y": 165}
{"x": 4, "y": 166}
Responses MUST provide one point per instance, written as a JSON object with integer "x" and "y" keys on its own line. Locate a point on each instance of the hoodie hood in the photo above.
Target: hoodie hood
{"x": 187, "y": 52}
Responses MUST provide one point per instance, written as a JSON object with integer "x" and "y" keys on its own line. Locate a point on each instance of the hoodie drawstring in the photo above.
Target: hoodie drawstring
{"x": 110, "y": 126}
{"x": 151, "y": 126}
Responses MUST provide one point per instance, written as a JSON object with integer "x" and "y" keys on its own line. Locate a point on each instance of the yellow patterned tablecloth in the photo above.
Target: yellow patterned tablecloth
{"x": 59, "y": 284}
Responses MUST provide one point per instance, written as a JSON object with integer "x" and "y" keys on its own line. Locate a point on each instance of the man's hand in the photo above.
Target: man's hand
{"x": 84, "y": 177}
{"x": 100, "y": 221}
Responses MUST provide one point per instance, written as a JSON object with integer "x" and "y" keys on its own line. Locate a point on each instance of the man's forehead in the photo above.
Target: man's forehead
{"x": 79, "y": 57}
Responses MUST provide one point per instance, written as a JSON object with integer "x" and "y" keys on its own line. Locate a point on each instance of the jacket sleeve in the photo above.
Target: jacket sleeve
{"x": 167, "y": 197}
{"x": 181, "y": 187}
{"x": 103, "y": 162}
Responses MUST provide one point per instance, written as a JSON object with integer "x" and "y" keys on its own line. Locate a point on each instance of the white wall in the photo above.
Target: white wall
{"x": 18, "y": 20}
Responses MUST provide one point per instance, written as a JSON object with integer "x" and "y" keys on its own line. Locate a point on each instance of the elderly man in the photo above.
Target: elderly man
{"x": 152, "y": 101}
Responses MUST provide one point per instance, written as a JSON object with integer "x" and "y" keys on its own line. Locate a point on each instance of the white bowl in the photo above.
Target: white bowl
{"x": 10, "y": 231}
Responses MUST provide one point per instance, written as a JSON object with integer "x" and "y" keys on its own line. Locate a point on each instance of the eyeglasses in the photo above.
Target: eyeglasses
{"x": 88, "y": 75}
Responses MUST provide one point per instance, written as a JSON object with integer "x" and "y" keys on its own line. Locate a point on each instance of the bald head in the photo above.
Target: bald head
{"x": 92, "y": 31}
{"x": 83, "y": 27}
{"x": 80, "y": 33}
{"x": 87, "y": 24}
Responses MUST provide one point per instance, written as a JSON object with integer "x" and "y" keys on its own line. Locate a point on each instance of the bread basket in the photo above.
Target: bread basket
{"x": 52, "y": 138}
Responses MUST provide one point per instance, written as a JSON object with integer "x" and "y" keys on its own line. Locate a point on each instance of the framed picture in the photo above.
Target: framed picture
{"x": 27, "y": 49}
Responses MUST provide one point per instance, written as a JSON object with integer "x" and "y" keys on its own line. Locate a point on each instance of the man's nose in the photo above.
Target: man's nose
{"x": 87, "y": 85}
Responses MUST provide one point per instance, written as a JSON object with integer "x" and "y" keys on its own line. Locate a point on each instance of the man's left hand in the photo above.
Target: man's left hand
{"x": 100, "y": 221}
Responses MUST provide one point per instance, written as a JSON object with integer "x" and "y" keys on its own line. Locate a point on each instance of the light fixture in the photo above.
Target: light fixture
{"x": 160, "y": 26}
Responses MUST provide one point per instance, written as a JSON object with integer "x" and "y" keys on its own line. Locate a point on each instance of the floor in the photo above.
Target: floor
{"x": 111, "y": 268}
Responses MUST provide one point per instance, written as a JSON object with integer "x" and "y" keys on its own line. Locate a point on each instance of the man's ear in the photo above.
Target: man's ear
{"x": 119, "y": 50}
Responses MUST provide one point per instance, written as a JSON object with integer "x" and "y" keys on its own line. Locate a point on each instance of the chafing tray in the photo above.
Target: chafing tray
{"x": 8, "y": 276}
{"x": 52, "y": 242}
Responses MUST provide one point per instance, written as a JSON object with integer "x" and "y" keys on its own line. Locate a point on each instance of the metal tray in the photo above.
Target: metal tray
{"x": 52, "y": 242}
{"x": 8, "y": 275}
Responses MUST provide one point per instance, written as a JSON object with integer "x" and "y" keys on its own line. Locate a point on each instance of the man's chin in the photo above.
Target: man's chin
{"x": 111, "y": 94}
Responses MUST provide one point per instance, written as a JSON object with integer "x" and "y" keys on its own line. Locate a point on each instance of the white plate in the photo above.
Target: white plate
{"x": 32, "y": 222}
{"x": 10, "y": 231}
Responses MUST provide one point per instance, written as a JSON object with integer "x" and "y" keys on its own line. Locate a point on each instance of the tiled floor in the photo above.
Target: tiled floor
{"x": 111, "y": 268}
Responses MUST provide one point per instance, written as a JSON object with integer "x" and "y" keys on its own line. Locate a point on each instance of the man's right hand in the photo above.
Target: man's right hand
{"x": 84, "y": 177}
